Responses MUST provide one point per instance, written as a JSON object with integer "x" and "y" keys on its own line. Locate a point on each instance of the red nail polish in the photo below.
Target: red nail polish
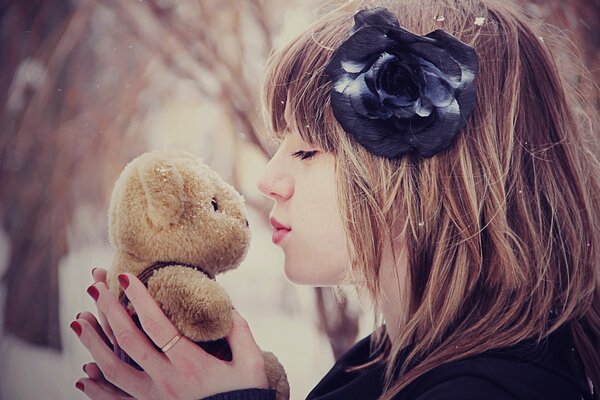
{"x": 83, "y": 368}
{"x": 76, "y": 326}
{"x": 123, "y": 280}
{"x": 79, "y": 385}
{"x": 92, "y": 291}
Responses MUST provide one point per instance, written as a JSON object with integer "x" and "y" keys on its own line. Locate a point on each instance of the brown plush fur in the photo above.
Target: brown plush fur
{"x": 170, "y": 206}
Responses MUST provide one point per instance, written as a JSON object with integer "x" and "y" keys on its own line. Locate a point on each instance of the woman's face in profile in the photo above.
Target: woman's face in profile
{"x": 305, "y": 195}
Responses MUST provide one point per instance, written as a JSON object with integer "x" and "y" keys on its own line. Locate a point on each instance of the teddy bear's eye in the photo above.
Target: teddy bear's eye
{"x": 215, "y": 204}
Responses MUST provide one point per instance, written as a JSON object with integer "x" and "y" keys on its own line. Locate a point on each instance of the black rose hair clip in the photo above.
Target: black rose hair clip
{"x": 399, "y": 93}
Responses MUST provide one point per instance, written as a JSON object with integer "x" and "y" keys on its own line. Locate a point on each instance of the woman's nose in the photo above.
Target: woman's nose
{"x": 275, "y": 183}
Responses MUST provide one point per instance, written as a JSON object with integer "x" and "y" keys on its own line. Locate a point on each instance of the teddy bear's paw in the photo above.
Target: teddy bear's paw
{"x": 197, "y": 305}
{"x": 276, "y": 376}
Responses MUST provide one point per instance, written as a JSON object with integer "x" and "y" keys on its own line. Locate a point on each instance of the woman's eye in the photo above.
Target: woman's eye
{"x": 303, "y": 155}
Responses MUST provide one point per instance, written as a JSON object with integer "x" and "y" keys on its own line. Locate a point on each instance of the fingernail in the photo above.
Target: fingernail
{"x": 76, "y": 326}
{"x": 79, "y": 385}
{"x": 123, "y": 280}
{"x": 92, "y": 291}
{"x": 78, "y": 315}
{"x": 83, "y": 368}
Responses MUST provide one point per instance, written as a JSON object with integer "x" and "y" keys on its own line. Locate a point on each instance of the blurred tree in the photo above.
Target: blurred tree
{"x": 30, "y": 173}
{"x": 57, "y": 128}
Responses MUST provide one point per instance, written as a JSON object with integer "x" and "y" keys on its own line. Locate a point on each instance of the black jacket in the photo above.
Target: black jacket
{"x": 549, "y": 371}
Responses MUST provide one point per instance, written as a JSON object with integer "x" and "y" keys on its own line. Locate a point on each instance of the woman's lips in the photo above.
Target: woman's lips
{"x": 279, "y": 234}
{"x": 280, "y": 229}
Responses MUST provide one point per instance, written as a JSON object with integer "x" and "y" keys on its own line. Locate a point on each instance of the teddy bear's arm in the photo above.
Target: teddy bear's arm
{"x": 197, "y": 305}
{"x": 276, "y": 376}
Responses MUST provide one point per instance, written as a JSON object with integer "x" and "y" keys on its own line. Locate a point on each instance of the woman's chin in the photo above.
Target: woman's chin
{"x": 301, "y": 276}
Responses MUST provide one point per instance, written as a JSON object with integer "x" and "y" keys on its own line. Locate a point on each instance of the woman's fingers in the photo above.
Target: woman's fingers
{"x": 156, "y": 325}
{"x": 89, "y": 317}
{"x": 94, "y": 373}
{"x": 113, "y": 370}
{"x": 99, "y": 275}
{"x": 127, "y": 335}
{"x": 241, "y": 341}
{"x": 97, "y": 391}
{"x": 247, "y": 356}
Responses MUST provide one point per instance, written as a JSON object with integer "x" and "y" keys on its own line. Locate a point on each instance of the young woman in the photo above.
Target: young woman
{"x": 434, "y": 158}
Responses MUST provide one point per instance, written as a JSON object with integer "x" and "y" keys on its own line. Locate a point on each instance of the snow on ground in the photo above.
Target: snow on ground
{"x": 29, "y": 372}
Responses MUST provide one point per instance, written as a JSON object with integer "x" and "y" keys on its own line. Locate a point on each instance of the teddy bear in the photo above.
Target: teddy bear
{"x": 176, "y": 224}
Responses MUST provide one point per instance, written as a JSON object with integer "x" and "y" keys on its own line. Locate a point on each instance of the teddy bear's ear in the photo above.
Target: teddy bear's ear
{"x": 163, "y": 187}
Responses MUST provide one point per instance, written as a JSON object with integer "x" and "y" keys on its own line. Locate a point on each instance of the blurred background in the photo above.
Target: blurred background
{"x": 85, "y": 86}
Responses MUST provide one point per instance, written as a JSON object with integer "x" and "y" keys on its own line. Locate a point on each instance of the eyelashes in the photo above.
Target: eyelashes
{"x": 303, "y": 155}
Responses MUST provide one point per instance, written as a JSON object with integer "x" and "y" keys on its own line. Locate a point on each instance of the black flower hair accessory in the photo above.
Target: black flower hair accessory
{"x": 399, "y": 93}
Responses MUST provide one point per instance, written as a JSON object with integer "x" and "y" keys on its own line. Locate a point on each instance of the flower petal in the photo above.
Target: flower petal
{"x": 393, "y": 77}
{"x": 426, "y": 66}
{"x": 437, "y": 90}
{"x": 364, "y": 101}
{"x": 423, "y": 107}
{"x": 404, "y": 39}
{"x": 462, "y": 53}
{"x": 424, "y": 47}
{"x": 427, "y": 50}
{"x": 467, "y": 101}
{"x": 353, "y": 67}
{"x": 381, "y": 139}
{"x": 363, "y": 48}
{"x": 396, "y": 101}
{"x": 439, "y": 135}
{"x": 379, "y": 136}
{"x": 342, "y": 83}
{"x": 408, "y": 111}
{"x": 413, "y": 125}
{"x": 390, "y": 146}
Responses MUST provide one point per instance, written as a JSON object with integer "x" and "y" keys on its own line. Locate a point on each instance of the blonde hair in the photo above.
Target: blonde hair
{"x": 501, "y": 229}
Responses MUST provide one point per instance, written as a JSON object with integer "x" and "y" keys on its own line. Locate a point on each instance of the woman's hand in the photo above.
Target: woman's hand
{"x": 184, "y": 371}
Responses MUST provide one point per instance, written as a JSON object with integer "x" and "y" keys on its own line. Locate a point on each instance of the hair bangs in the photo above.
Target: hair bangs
{"x": 296, "y": 89}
